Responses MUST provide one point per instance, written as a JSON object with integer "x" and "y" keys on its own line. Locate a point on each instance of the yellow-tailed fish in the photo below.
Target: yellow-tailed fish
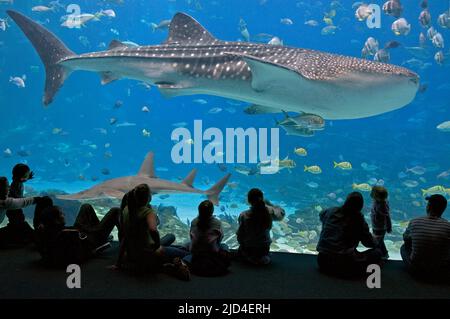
{"x": 364, "y": 187}
{"x": 343, "y": 165}
{"x": 434, "y": 190}
{"x": 300, "y": 151}
{"x": 313, "y": 169}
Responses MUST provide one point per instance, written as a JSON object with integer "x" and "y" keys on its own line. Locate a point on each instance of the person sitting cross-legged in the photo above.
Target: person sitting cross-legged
{"x": 426, "y": 249}
{"x": 255, "y": 224}
{"x": 141, "y": 247}
{"x": 208, "y": 256}
{"x": 343, "y": 228}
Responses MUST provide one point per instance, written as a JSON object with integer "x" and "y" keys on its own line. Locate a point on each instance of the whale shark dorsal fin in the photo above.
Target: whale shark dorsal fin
{"x": 147, "y": 167}
{"x": 185, "y": 29}
{"x": 189, "y": 180}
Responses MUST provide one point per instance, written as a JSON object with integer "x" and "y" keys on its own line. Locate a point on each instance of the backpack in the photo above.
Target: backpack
{"x": 69, "y": 248}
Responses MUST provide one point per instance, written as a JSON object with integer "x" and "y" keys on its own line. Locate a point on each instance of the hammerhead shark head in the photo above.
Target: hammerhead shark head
{"x": 192, "y": 61}
{"x": 118, "y": 187}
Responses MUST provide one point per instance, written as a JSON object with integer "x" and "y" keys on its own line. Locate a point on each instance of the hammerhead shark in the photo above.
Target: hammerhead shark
{"x": 118, "y": 187}
{"x": 192, "y": 61}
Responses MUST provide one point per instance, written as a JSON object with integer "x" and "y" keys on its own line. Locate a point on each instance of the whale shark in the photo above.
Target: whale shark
{"x": 118, "y": 187}
{"x": 275, "y": 77}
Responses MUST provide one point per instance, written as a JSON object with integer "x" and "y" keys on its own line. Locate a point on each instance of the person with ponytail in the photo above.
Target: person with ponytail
{"x": 209, "y": 257}
{"x": 141, "y": 241}
{"x": 343, "y": 230}
{"x": 255, "y": 224}
{"x": 206, "y": 231}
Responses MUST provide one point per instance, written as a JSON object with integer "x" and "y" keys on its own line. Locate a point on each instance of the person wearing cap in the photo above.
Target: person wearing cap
{"x": 343, "y": 228}
{"x": 426, "y": 249}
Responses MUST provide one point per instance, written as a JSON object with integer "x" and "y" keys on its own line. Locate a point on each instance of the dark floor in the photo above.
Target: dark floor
{"x": 290, "y": 276}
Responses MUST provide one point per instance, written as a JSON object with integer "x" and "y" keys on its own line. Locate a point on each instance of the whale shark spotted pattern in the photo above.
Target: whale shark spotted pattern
{"x": 192, "y": 61}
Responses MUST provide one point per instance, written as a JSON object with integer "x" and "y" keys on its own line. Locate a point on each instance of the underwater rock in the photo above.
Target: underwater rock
{"x": 312, "y": 235}
{"x": 388, "y": 242}
{"x": 170, "y": 223}
{"x": 398, "y": 245}
{"x": 274, "y": 247}
{"x": 281, "y": 247}
{"x": 227, "y": 218}
{"x": 166, "y": 213}
{"x": 292, "y": 243}
{"x": 285, "y": 228}
{"x": 304, "y": 219}
{"x": 311, "y": 247}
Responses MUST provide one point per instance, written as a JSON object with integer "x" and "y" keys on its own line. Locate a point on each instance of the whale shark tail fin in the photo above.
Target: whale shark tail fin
{"x": 50, "y": 49}
{"x": 214, "y": 192}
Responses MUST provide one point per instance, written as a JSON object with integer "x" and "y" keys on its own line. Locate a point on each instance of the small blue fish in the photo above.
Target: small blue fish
{"x": 312, "y": 184}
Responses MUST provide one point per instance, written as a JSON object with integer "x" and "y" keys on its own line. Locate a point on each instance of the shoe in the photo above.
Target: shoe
{"x": 177, "y": 269}
{"x": 232, "y": 254}
{"x": 183, "y": 269}
{"x": 101, "y": 248}
{"x": 264, "y": 260}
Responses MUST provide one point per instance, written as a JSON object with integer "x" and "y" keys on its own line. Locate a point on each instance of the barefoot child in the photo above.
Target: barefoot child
{"x": 381, "y": 219}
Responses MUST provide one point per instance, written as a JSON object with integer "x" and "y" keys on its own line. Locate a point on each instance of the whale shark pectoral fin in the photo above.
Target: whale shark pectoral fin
{"x": 108, "y": 77}
{"x": 266, "y": 74}
{"x": 169, "y": 90}
{"x": 147, "y": 167}
{"x": 113, "y": 193}
{"x": 260, "y": 109}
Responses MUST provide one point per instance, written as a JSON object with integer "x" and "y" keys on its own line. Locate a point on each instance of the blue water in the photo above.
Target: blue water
{"x": 392, "y": 141}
